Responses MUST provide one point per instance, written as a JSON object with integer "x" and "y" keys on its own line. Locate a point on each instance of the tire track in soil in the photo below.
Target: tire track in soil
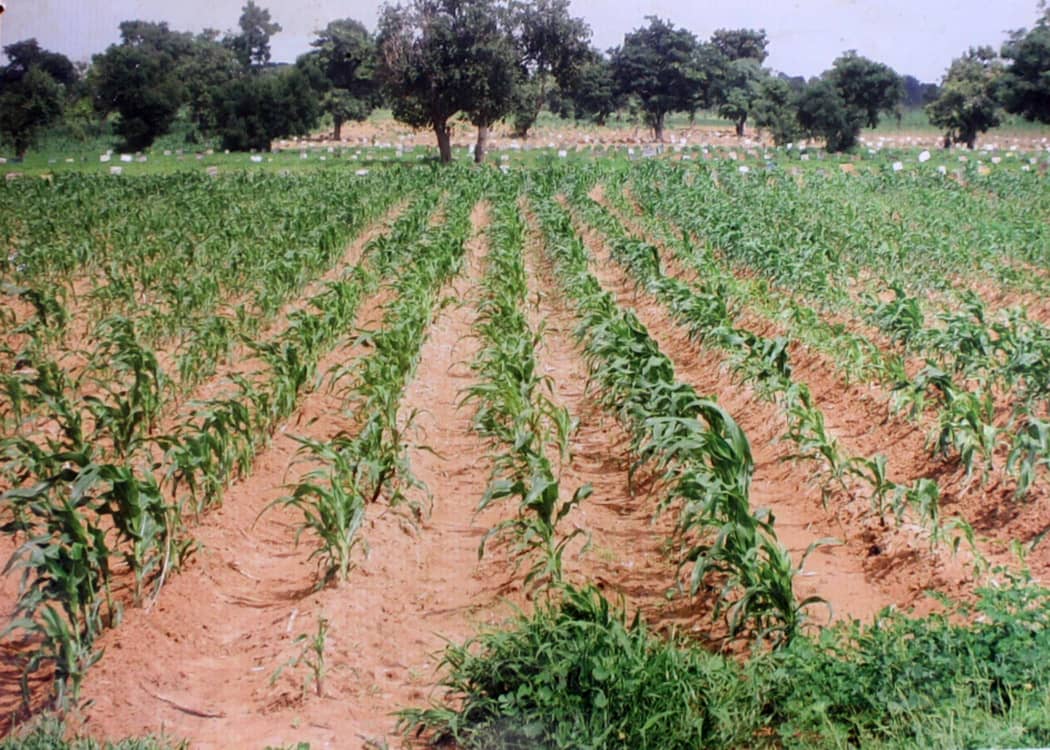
{"x": 221, "y": 631}
{"x": 841, "y": 574}
{"x": 859, "y": 416}
{"x": 626, "y": 556}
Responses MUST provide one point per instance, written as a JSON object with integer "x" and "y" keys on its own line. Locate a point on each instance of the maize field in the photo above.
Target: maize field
{"x": 589, "y": 452}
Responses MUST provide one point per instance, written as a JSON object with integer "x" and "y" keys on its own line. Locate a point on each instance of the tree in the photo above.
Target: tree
{"x": 207, "y": 70}
{"x": 29, "y": 104}
{"x": 846, "y": 98}
{"x": 438, "y": 58}
{"x": 593, "y": 89}
{"x": 554, "y": 45}
{"x": 1025, "y": 84}
{"x": 140, "y": 80}
{"x": 797, "y": 83}
{"x": 967, "y": 104}
{"x": 741, "y": 44}
{"x": 913, "y": 92}
{"x": 493, "y": 64}
{"x": 822, "y": 112}
{"x": 253, "y": 110}
{"x": 775, "y": 110}
{"x": 252, "y": 45}
{"x": 738, "y": 89}
{"x": 26, "y": 54}
{"x": 657, "y": 64}
{"x": 157, "y": 37}
{"x": 866, "y": 87}
{"x": 343, "y": 63}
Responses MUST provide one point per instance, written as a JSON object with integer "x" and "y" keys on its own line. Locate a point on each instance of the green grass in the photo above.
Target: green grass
{"x": 580, "y": 674}
{"x": 50, "y": 734}
{"x": 916, "y": 121}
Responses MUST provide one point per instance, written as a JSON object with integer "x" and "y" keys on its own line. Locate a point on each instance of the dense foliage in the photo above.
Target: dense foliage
{"x": 1025, "y": 87}
{"x": 436, "y": 62}
{"x": 657, "y": 65}
{"x": 579, "y": 674}
{"x": 967, "y": 104}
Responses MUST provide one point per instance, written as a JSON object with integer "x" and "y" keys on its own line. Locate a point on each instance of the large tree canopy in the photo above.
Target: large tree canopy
{"x": 254, "y": 109}
{"x": 967, "y": 104}
{"x": 554, "y": 45}
{"x": 27, "y": 54}
{"x": 593, "y": 89}
{"x": 493, "y": 65}
{"x": 657, "y": 64}
{"x": 847, "y": 98}
{"x": 439, "y": 58}
{"x": 207, "y": 69}
{"x": 732, "y": 61}
{"x": 737, "y": 90}
{"x": 823, "y": 113}
{"x": 867, "y": 87}
{"x": 139, "y": 79}
{"x": 31, "y": 99}
{"x": 740, "y": 44}
{"x": 775, "y": 109}
{"x": 1025, "y": 85}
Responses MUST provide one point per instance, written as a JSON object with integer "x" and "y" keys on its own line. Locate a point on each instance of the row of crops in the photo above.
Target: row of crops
{"x": 901, "y": 310}
{"x": 108, "y": 455}
{"x": 578, "y": 673}
{"x": 151, "y": 354}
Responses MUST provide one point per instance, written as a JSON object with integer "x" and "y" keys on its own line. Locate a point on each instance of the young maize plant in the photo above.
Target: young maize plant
{"x": 705, "y": 456}
{"x": 1007, "y": 353}
{"x": 255, "y": 240}
{"x": 356, "y": 470}
{"x": 856, "y": 357}
{"x": 219, "y": 441}
{"x": 528, "y": 432}
{"x": 764, "y": 363}
{"x": 89, "y": 487}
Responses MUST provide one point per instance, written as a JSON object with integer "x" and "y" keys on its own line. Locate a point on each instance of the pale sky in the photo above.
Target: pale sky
{"x": 918, "y": 37}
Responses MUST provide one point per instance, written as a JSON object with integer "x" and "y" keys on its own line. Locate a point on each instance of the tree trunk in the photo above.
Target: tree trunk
{"x": 444, "y": 141}
{"x": 479, "y": 147}
{"x": 971, "y": 141}
{"x": 740, "y": 128}
{"x": 538, "y": 106}
{"x": 658, "y": 127}
{"x": 338, "y": 128}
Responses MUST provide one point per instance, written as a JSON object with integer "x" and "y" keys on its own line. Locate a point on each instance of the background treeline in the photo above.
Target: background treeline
{"x": 433, "y": 62}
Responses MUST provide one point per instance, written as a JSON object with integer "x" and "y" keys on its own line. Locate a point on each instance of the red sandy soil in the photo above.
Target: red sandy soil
{"x": 201, "y": 664}
{"x": 626, "y": 556}
{"x": 239, "y": 360}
